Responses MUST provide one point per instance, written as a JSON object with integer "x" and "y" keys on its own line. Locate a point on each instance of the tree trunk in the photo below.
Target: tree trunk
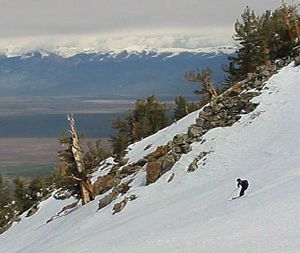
{"x": 86, "y": 188}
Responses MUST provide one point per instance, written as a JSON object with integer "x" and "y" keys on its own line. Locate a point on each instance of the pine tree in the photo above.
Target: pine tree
{"x": 94, "y": 155}
{"x": 262, "y": 39}
{"x": 121, "y": 140}
{"x": 247, "y": 34}
{"x": 37, "y": 188}
{"x": 146, "y": 118}
{"x": 22, "y": 197}
{"x": 6, "y": 208}
{"x": 182, "y": 108}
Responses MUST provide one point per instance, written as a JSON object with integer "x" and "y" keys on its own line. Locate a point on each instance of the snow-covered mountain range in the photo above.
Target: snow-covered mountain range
{"x": 191, "y": 211}
{"x": 131, "y": 72}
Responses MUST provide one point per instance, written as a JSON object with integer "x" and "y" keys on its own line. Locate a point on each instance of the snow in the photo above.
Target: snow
{"x": 192, "y": 213}
{"x": 68, "y": 51}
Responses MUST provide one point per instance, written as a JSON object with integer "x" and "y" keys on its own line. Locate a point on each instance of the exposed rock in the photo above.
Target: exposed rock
{"x": 176, "y": 156}
{"x": 62, "y": 194}
{"x": 159, "y": 152}
{"x": 297, "y": 60}
{"x": 177, "y": 150}
{"x": 105, "y": 183}
{"x": 200, "y": 121}
{"x": 193, "y": 166}
{"x": 148, "y": 146}
{"x": 180, "y": 139}
{"x": 130, "y": 169}
{"x": 171, "y": 177}
{"x": 141, "y": 162}
{"x": 207, "y": 125}
{"x": 195, "y": 131}
{"x": 132, "y": 197}
{"x": 167, "y": 163}
{"x": 185, "y": 148}
{"x": 107, "y": 199}
{"x": 271, "y": 68}
{"x": 124, "y": 187}
{"x": 33, "y": 210}
{"x": 265, "y": 73}
{"x": 123, "y": 161}
{"x": 157, "y": 168}
{"x": 152, "y": 172}
{"x": 207, "y": 109}
{"x": 119, "y": 206}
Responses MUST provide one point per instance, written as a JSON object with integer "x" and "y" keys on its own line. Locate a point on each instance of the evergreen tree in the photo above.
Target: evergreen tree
{"x": 121, "y": 140}
{"x": 22, "y": 197}
{"x": 262, "y": 39}
{"x": 146, "y": 118}
{"x": 6, "y": 208}
{"x": 182, "y": 108}
{"x": 94, "y": 155}
{"x": 37, "y": 189}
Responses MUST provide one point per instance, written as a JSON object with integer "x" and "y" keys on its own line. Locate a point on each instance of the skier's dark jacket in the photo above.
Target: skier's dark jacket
{"x": 243, "y": 183}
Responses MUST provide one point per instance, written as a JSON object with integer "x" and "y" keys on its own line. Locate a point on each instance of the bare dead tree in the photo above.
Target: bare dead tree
{"x": 207, "y": 87}
{"x": 86, "y": 188}
{"x": 291, "y": 20}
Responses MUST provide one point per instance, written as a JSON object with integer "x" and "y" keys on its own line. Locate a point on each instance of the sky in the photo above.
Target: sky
{"x": 25, "y": 23}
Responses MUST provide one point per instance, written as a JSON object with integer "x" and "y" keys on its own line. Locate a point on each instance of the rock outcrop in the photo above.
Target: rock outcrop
{"x": 227, "y": 110}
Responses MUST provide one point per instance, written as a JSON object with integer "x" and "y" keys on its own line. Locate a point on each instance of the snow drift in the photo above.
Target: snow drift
{"x": 192, "y": 213}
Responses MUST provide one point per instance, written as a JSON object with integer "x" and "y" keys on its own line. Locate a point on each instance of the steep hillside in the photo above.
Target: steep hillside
{"x": 192, "y": 213}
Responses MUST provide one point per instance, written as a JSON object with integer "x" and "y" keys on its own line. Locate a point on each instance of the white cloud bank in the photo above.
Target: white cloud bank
{"x": 183, "y": 39}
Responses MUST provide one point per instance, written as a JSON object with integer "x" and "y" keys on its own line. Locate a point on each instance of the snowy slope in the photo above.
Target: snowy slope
{"x": 192, "y": 213}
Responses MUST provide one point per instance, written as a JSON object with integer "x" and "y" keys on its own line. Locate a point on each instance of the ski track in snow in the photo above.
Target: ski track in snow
{"x": 192, "y": 213}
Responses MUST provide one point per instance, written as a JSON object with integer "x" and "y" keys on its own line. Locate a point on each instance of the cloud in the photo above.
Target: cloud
{"x": 19, "y": 18}
{"x": 134, "y": 40}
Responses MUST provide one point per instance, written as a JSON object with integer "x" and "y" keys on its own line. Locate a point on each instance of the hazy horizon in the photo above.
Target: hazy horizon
{"x": 36, "y": 24}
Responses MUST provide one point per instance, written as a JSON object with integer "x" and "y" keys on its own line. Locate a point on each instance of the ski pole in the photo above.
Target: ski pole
{"x": 232, "y": 192}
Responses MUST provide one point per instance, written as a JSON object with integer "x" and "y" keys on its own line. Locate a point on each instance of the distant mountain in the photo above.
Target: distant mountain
{"x": 127, "y": 73}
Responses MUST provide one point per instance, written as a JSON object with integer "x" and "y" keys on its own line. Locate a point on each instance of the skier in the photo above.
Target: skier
{"x": 244, "y": 184}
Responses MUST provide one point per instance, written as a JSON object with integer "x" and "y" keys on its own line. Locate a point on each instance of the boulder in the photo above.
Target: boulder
{"x": 200, "y": 121}
{"x": 272, "y": 68}
{"x": 297, "y": 60}
{"x": 177, "y": 150}
{"x": 124, "y": 187}
{"x": 207, "y": 109}
{"x": 193, "y": 166}
{"x": 119, "y": 206}
{"x": 171, "y": 177}
{"x": 141, "y": 162}
{"x": 153, "y": 172}
{"x": 167, "y": 163}
{"x": 180, "y": 139}
{"x": 123, "y": 161}
{"x": 105, "y": 183}
{"x": 33, "y": 210}
{"x": 107, "y": 199}
{"x": 185, "y": 148}
{"x": 195, "y": 131}
{"x": 130, "y": 169}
